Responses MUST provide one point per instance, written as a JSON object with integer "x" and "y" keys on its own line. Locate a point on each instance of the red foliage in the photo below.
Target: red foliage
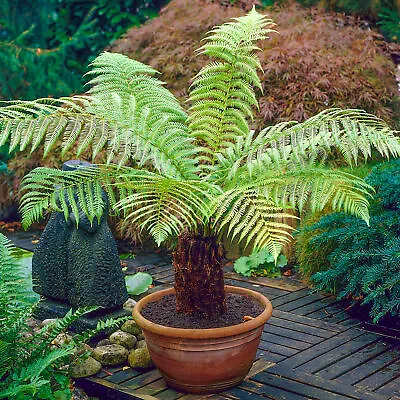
{"x": 318, "y": 59}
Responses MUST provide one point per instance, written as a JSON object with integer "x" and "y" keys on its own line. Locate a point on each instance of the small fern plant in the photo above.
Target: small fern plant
{"x": 29, "y": 364}
{"x": 197, "y": 174}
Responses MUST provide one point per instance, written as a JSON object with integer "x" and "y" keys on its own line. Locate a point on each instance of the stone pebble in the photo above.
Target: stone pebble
{"x": 112, "y": 354}
{"x": 124, "y": 339}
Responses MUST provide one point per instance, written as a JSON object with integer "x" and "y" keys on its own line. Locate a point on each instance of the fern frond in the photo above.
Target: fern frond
{"x": 352, "y": 133}
{"x": 221, "y": 94}
{"x": 127, "y": 112}
{"x": 47, "y": 189}
{"x": 247, "y": 215}
{"x": 13, "y": 301}
{"x": 160, "y": 204}
{"x": 164, "y": 206}
{"x": 317, "y": 187}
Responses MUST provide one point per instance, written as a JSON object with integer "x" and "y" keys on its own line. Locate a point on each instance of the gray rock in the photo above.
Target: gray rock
{"x": 141, "y": 344}
{"x": 129, "y": 305}
{"x": 48, "y": 321}
{"x": 140, "y": 358}
{"x": 62, "y": 339}
{"x": 112, "y": 354}
{"x": 84, "y": 368}
{"x": 83, "y": 348}
{"x": 103, "y": 342}
{"x": 131, "y": 327}
{"x": 124, "y": 339}
{"x": 140, "y": 336}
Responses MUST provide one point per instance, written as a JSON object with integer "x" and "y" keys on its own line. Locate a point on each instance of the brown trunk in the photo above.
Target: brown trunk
{"x": 199, "y": 278}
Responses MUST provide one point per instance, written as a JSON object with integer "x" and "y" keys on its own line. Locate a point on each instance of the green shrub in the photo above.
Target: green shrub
{"x": 260, "y": 263}
{"x": 45, "y": 46}
{"x": 363, "y": 261}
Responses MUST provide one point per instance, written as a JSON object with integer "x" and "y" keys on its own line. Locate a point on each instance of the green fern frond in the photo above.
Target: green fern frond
{"x": 317, "y": 187}
{"x": 352, "y": 133}
{"x": 47, "y": 189}
{"x": 164, "y": 206}
{"x": 127, "y": 112}
{"x": 13, "y": 301}
{"x": 102, "y": 326}
{"x": 161, "y": 204}
{"x": 247, "y": 215}
{"x": 221, "y": 94}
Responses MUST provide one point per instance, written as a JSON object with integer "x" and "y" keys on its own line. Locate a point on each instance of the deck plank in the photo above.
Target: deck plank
{"x": 337, "y": 353}
{"x": 354, "y": 360}
{"x": 363, "y": 371}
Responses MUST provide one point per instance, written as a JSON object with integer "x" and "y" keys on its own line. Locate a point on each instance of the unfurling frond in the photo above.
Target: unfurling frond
{"x": 222, "y": 93}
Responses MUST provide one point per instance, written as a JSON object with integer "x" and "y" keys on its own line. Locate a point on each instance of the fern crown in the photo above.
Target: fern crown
{"x": 167, "y": 170}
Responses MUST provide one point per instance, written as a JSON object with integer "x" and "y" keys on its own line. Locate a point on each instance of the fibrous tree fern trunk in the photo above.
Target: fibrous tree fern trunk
{"x": 199, "y": 279}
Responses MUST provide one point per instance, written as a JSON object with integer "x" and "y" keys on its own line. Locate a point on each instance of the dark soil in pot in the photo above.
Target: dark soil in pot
{"x": 163, "y": 312}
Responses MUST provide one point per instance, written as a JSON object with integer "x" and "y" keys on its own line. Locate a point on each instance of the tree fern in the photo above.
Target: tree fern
{"x": 207, "y": 172}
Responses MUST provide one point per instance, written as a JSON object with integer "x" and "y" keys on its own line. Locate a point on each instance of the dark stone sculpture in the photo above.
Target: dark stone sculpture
{"x": 78, "y": 266}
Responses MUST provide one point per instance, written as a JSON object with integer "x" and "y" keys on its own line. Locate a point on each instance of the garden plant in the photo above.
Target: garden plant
{"x": 30, "y": 363}
{"x": 198, "y": 174}
{"x": 356, "y": 261}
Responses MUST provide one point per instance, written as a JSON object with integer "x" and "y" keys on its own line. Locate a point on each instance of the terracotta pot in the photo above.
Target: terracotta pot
{"x": 203, "y": 360}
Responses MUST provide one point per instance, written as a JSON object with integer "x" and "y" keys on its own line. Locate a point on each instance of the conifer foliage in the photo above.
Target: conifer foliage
{"x": 364, "y": 262}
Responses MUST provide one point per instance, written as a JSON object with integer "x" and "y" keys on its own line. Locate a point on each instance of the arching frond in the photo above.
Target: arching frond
{"x": 317, "y": 187}
{"x": 245, "y": 214}
{"x": 165, "y": 206}
{"x": 127, "y": 111}
{"x": 75, "y": 193}
{"x": 354, "y": 134}
{"x": 162, "y": 205}
{"x": 222, "y": 95}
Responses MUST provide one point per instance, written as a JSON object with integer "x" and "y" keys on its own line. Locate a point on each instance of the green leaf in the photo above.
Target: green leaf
{"x": 138, "y": 283}
{"x": 242, "y": 266}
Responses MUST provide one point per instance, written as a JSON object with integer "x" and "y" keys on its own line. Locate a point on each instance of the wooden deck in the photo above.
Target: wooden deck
{"x": 311, "y": 348}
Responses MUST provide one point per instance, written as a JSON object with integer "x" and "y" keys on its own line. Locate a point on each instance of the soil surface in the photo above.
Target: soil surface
{"x": 163, "y": 312}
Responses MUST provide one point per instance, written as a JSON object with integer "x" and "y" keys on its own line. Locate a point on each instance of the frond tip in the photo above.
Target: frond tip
{"x": 222, "y": 93}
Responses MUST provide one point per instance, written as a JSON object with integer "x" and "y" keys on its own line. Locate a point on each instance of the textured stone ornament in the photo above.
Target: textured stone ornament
{"x": 79, "y": 265}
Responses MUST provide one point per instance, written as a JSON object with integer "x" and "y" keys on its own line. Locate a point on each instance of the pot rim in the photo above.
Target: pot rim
{"x": 203, "y": 333}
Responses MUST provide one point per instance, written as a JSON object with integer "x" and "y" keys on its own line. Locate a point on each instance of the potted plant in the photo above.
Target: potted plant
{"x": 196, "y": 176}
